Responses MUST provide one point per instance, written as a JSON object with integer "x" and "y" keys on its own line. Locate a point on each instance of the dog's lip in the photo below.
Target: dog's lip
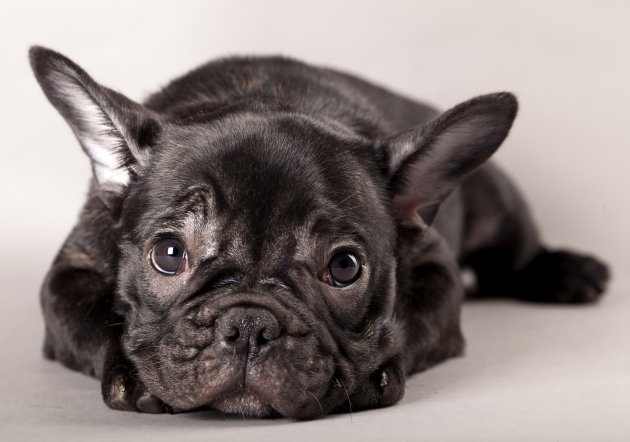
{"x": 247, "y": 397}
{"x": 242, "y": 401}
{"x": 248, "y": 401}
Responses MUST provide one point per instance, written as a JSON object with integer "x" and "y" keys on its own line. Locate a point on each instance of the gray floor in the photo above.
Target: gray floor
{"x": 531, "y": 373}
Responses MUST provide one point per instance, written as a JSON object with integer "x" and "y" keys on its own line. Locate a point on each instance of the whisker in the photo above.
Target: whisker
{"x": 339, "y": 381}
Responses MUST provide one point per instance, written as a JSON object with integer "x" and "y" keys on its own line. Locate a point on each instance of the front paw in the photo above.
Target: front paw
{"x": 122, "y": 390}
{"x": 384, "y": 387}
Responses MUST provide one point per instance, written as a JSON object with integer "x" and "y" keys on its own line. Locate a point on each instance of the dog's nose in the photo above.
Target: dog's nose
{"x": 247, "y": 330}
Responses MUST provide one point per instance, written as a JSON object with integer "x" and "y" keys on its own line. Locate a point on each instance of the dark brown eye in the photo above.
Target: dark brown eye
{"x": 344, "y": 269}
{"x": 169, "y": 256}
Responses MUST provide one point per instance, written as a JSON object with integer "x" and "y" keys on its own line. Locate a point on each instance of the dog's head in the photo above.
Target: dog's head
{"x": 256, "y": 246}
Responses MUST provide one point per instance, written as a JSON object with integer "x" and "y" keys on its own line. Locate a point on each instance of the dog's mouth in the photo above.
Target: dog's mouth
{"x": 293, "y": 380}
{"x": 250, "y": 359}
{"x": 262, "y": 402}
{"x": 270, "y": 389}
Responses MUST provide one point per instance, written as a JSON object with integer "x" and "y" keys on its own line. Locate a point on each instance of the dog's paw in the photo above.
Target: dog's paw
{"x": 384, "y": 387}
{"x": 564, "y": 277}
{"x": 123, "y": 391}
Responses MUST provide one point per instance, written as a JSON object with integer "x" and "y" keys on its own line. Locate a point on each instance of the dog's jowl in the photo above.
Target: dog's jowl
{"x": 268, "y": 238}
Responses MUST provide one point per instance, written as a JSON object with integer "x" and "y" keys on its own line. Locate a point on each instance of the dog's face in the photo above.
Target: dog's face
{"x": 257, "y": 247}
{"x": 258, "y": 265}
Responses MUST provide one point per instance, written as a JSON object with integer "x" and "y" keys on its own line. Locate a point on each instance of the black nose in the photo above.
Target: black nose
{"x": 247, "y": 330}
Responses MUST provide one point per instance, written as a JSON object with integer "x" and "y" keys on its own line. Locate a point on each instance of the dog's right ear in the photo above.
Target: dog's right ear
{"x": 114, "y": 131}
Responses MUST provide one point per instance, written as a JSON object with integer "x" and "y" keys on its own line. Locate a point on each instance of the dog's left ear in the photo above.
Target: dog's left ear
{"x": 427, "y": 162}
{"x": 114, "y": 131}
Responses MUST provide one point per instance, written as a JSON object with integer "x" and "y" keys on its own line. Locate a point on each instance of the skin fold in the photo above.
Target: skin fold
{"x": 267, "y": 178}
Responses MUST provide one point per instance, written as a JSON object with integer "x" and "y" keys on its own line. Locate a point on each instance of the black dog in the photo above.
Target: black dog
{"x": 263, "y": 237}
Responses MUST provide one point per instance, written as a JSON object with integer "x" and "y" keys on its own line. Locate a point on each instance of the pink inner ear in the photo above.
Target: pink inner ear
{"x": 429, "y": 178}
{"x": 406, "y": 211}
{"x": 405, "y": 207}
{"x": 423, "y": 187}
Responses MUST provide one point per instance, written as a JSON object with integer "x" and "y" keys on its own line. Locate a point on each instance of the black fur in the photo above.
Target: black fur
{"x": 264, "y": 168}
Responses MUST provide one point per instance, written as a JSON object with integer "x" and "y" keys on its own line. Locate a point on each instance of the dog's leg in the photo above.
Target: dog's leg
{"x": 426, "y": 314}
{"x": 503, "y": 248}
{"x": 83, "y": 331}
{"x": 429, "y": 301}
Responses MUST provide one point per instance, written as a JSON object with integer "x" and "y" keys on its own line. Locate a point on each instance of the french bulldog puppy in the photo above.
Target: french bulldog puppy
{"x": 269, "y": 238}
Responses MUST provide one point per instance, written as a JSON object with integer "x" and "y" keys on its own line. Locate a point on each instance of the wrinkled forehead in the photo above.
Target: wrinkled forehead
{"x": 264, "y": 177}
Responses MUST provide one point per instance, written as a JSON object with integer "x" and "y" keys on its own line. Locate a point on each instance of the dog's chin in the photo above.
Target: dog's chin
{"x": 244, "y": 403}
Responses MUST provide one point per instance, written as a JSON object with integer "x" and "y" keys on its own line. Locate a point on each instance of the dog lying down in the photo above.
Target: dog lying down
{"x": 269, "y": 238}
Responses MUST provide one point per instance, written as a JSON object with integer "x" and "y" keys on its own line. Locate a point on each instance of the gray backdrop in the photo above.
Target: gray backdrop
{"x": 531, "y": 372}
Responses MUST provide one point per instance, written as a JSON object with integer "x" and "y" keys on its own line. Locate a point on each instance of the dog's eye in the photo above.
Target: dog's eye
{"x": 169, "y": 256}
{"x": 344, "y": 268}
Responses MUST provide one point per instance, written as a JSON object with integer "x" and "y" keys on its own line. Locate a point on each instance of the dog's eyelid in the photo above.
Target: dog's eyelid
{"x": 348, "y": 247}
{"x": 158, "y": 236}
{"x": 166, "y": 234}
{"x": 351, "y": 239}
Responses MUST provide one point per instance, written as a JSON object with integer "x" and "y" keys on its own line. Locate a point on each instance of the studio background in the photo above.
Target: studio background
{"x": 531, "y": 373}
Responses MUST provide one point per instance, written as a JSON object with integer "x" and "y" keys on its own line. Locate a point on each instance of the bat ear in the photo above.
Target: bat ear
{"x": 114, "y": 131}
{"x": 427, "y": 162}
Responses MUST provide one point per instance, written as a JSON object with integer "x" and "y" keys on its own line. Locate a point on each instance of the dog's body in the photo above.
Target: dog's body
{"x": 274, "y": 178}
